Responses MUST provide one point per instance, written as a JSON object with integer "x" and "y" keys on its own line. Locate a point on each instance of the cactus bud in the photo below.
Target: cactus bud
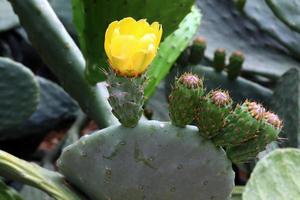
{"x": 188, "y": 88}
{"x": 212, "y": 112}
{"x": 242, "y": 125}
{"x": 234, "y": 67}
{"x": 197, "y": 50}
{"x": 219, "y": 61}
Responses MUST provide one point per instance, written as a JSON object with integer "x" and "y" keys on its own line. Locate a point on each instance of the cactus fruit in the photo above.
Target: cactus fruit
{"x": 269, "y": 129}
{"x": 243, "y": 124}
{"x": 184, "y": 98}
{"x": 126, "y": 97}
{"x": 211, "y": 113}
{"x": 154, "y": 160}
{"x": 19, "y": 93}
{"x": 234, "y": 67}
{"x": 219, "y": 60}
{"x": 197, "y": 50}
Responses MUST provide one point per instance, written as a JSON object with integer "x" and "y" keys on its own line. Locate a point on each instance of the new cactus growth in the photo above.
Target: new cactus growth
{"x": 211, "y": 113}
{"x": 219, "y": 60}
{"x": 186, "y": 94}
{"x": 235, "y": 64}
{"x": 197, "y": 50}
{"x": 268, "y": 132}
{"x": 241, "y": 125}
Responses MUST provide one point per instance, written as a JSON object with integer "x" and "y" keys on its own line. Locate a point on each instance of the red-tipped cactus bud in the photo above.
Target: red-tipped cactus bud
{"x": 220, "y": 98}
{"x": 273, "y": 119}
{"x": 184, "y": 97}
{"x": 190, "y": 80}
{"x": 234, "y": 67}
{"x": 211, "y": 113}
{"x": 197, "y": 50}
{"x": 257, "y": 110}
{"x": 219, "y": 60}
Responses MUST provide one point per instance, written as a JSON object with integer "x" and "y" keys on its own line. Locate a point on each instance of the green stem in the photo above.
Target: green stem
{"x": 63, "y": 57}
{"x": 51, "y": 182}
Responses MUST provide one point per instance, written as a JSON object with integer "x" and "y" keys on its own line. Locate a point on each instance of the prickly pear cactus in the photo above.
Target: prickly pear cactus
{"x": 275, "y": 177}
{"x": 154, "y": 160}
{"x": 19, "y": 93}
{"x": 286, "y": 103}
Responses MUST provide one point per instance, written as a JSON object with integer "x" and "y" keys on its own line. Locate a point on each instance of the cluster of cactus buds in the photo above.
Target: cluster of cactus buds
{"x": 243, "y": 131}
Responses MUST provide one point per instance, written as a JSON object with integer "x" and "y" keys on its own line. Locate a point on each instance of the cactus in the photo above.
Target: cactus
{"x": 240, "y": 89}
{"x": 211, "y": 113}
{"x": 275, "y": 177}
{"x": 8, "y": 18}
{"x": 286, "y": 103}
{"x": 260, "y": 13}
{"x": 197, "y": 50}
{"x": 93, "y": 17}
{"x": 188, "y": 88}
{"x": 34, "y": 175}
{"x": 170, "y": 50}
{"x": 19, "y": 93}
{"x": 63, "y": 57}
{"x": 55, "y": 106}
{"x": 227, "y": 28}
{"x": 126, "y": 98}
{"x": 235, "y": 65}
{"x": 242, "y": 125}
{"x": 149, "y": 161}
{"x": 287, "y": 12}
{"x": 7, "y": 193}
{"x": 219, "y": 60}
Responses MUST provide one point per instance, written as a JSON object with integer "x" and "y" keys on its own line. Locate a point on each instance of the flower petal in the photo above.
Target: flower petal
{"x": 108, "y": 36}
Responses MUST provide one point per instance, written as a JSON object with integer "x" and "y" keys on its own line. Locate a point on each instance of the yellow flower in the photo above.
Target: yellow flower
{"x": 131, "y": 45}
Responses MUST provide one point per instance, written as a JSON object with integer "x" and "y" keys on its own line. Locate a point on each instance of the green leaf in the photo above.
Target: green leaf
{"x": 276, "y": 177}
{"x": 287, "y": 11}
{"x": 171, "y": 48}
{"x": 92, "y": 17}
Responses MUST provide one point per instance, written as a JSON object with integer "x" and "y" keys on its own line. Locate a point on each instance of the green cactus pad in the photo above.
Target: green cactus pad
{"x": 19, "y": 93}
{"x": 8, "y": 19}
{"x": 261, "y": 14}
{"x": 154, "y": 160}
{"x": 55, "y": 106}
{"x": 93, "y": 17}
{"x": 287, "y": 11}
{"x": 286, "y": 103}
{"x": 170, "y": 49}
{"x": 210, "y": 116}
{"x": 225, "y": 27}
{"x": 275, "y": 177}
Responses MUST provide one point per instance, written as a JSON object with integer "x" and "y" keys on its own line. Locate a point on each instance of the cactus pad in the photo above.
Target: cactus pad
{"x": 19, "y": 93}
{"x": 275, "y": 177}
{"x": 154, "y": 160}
